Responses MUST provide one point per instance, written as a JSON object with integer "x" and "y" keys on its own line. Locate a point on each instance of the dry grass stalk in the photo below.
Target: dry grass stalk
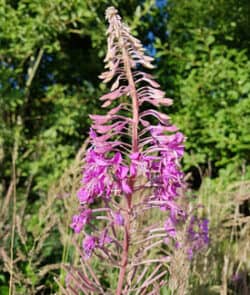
{"x": 51, "y": 217}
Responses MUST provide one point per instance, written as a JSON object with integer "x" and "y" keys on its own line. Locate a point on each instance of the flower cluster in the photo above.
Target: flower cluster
{"x": 90, "y": 243}
{"x": 103, "y": 176}
{"x": 131, "y": 159}
{"x": 79, "y": 221}
{"x": 198, "y": 235}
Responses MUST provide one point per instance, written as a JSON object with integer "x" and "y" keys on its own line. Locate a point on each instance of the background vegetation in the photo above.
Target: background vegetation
{"x": 51, "y": 54}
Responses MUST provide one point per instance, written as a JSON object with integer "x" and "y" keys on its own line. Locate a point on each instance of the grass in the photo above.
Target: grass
{"x": 35, "y": 248}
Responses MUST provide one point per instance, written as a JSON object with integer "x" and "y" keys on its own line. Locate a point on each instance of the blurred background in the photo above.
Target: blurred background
{"x": 51, "y": 53}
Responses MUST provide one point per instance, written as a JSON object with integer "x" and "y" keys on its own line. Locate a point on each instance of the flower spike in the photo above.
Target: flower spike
{"x": 132, "y": 167}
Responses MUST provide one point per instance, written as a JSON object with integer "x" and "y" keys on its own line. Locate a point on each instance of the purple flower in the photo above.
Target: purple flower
{"x": 78, "y": 221}
{"x": 122, "y": 179}
{"x": 96, "y": 178}
{"x": 169, "y": 226}
{"x": 141, "y": 165}
{"x": 89, "y": 244}
{"x": 190, "y": 253}
{"x": 84, "y": 196}
{"x": 176, "y": 144}
{"x": 117, "y": 159}
{"x": 118, "y": 218}
{"x": 198, "y": 234}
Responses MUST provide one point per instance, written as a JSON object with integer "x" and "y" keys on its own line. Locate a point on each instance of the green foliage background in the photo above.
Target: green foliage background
{"x": 51, "y": 54}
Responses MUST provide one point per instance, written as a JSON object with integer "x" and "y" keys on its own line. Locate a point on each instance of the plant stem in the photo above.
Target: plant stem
{"x": 133, "y": 94}
{"x": 124, "y": 253}
{"x": 135, "y": 122}
{"x": 14, "y": 157}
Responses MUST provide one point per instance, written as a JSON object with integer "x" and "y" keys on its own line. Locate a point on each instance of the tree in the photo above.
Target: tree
{"x": 204, "y": 66}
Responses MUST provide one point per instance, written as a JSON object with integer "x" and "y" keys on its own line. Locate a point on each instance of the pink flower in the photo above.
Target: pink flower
{"x": 118, "y": 218}
{"x": 89, "y": 244}
{"x": 198, "y": 234}
{"x": 78, "y": 221}
{"x": 169, "y": 226}
{"x": 122, "y": 179}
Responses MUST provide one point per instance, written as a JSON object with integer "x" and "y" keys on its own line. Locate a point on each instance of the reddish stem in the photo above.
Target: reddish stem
{"x": 125, "y": 246}
{"x": 135, "y": 123}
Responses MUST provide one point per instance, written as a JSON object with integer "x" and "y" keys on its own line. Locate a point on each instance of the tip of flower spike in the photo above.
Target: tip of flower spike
{"x": 111, "y": 11}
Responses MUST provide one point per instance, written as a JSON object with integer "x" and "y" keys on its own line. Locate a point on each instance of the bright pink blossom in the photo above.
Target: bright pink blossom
{"x": 132, "y": 166}
{"x": 89, "y": 244}
{"x": 79, "y": 221}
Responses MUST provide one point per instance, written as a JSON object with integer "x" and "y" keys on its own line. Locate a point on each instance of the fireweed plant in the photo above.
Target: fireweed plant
{"x": 131, "y": 168}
